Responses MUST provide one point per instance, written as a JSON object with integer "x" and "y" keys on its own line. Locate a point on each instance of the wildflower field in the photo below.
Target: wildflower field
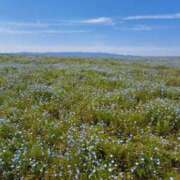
{"x": 85, "y": 118}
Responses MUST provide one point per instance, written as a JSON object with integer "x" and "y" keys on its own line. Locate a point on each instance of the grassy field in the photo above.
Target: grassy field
{"x": 72, "y": 118}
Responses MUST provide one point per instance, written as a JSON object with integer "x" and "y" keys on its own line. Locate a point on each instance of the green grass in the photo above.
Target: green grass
{"x": 73, "y": 118}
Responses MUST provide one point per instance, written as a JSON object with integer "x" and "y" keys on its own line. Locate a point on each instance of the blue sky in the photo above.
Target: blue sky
{"x": 136, "y": 27}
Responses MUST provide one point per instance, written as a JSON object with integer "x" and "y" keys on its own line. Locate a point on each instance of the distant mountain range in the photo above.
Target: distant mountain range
{"x": 73, "y": 54}
{"x": 95, "y": 55}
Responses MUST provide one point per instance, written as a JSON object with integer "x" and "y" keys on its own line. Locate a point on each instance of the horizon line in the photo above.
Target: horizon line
{"x": 83, "y": 52}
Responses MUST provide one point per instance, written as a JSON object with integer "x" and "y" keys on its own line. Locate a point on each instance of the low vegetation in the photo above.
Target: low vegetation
{"x": 73, "y": 118}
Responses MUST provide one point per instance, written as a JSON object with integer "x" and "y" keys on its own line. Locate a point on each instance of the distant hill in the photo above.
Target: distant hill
{"x": 97, "y": 55}
{"x": 72, "y": 54}
{"x": 79, "y": 54}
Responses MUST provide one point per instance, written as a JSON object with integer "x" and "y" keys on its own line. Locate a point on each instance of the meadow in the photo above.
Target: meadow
{"x": 87, "y": 118}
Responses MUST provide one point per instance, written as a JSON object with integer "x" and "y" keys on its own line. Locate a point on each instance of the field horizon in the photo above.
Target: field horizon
{"x": 86, "y": 54}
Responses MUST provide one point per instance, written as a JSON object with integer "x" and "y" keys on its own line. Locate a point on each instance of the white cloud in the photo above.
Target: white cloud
{"x": 139, "y": 27}
{"x": 153, "y": 17}
{"x": 9, "y": 31}
{"x": 99, "y": 20}
{"x": 53, "y": 23}
{"x": 25, "y": 24}
{"x": 142, "y": 28}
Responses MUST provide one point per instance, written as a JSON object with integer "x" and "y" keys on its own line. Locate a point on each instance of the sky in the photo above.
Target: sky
{"x": 131, "y": 27}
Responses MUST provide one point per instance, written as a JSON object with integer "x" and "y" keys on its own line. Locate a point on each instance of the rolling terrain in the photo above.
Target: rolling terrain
{"x": 89, "y": 118}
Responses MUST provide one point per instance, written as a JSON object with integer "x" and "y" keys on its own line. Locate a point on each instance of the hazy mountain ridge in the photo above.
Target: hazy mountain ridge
{"x": 93, "y": 54}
